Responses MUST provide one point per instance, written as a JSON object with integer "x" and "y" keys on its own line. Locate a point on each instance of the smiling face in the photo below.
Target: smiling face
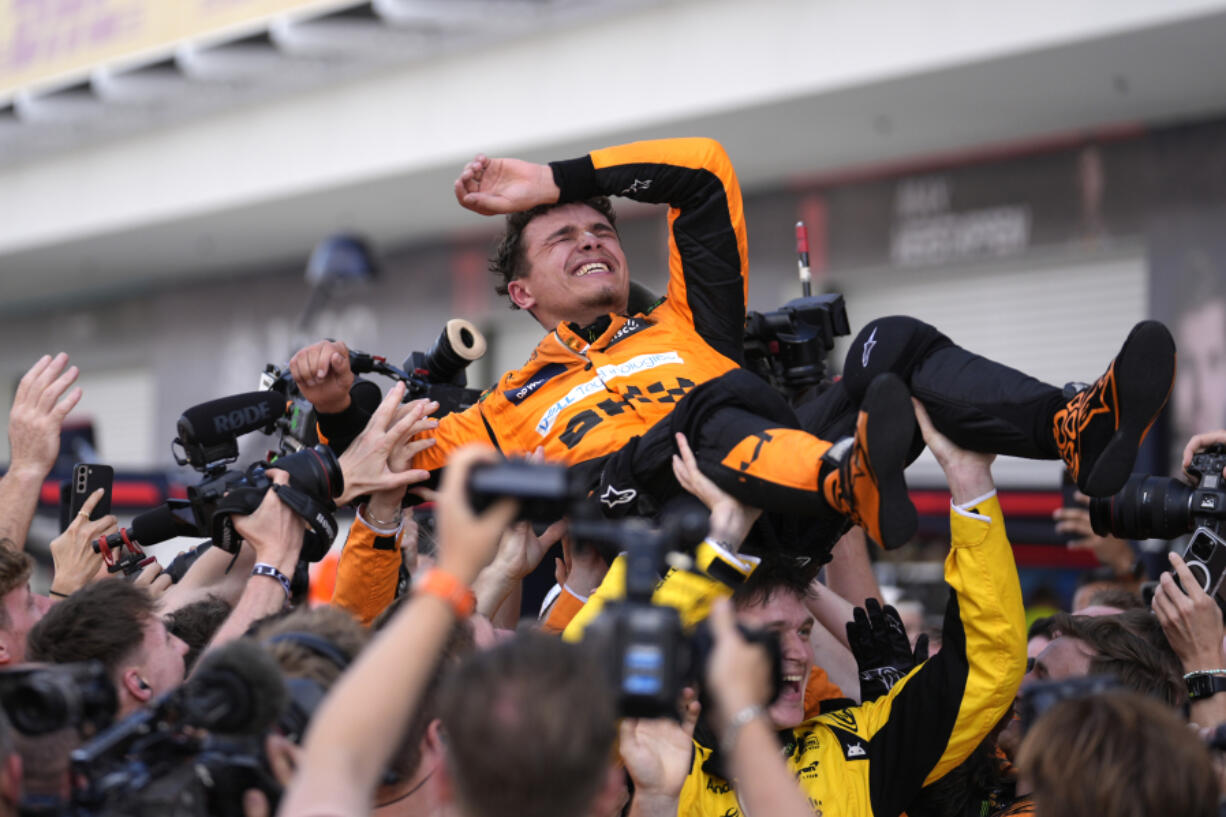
{"x": 576, "y": 270}
{"x": 784, "y": 613}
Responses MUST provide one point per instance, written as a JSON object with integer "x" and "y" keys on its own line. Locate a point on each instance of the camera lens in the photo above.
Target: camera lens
{"x": 315, "y": 471}
{"x": 459, "y": 344}
{"x": 1146, "y": 508}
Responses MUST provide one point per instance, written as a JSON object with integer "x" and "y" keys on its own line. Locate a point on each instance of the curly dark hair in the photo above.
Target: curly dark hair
{"x": 507, "y": 261}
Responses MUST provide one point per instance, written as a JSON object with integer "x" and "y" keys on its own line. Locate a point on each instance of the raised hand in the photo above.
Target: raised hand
{"x": 1109, "y": 550}
{"x": 366, "y": 463}
{"x": 969, "y": 473}
{"x": 883, "y": 652}
{"x": 1190, "y": 618}
{"x": 42, "y": 402}
{"x": 75, "y": 560}
{"x": 153, "y": 579}
{"x": 1203, "y": 440}
{"x": 730, "y": 519}
{"x": 385, "y": 505}
{"x": 322, "y": 373}
{"x": 496, "y": 186}
{"x": 272, "y": 529}
{"x": 656, "y": 753}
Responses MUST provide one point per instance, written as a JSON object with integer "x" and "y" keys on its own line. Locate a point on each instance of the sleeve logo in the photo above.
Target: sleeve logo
{"x": 540, "y": 378}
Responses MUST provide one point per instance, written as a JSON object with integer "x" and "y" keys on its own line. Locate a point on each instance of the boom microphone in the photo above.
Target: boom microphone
{"x": 165, "y": 522}
{"x": 236, "y": 690}
{"x": 220, "y": 421}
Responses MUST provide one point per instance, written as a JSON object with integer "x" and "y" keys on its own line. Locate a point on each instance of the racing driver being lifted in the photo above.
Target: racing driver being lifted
{"x": 606, "y": 391}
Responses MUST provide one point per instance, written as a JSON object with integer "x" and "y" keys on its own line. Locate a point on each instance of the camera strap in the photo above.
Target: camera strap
{"x": 318, "y": 517}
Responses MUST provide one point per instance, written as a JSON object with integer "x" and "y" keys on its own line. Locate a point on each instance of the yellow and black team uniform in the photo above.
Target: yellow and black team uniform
{"x": 870, "y": 760}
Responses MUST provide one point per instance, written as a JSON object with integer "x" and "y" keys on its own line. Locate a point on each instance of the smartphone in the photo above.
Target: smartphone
{"x": 1206, "y": 559}
{"x": 87, "y": 478}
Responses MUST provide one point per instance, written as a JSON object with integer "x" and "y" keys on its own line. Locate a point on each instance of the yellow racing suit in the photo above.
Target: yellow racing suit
{"x": 870, "y": 760}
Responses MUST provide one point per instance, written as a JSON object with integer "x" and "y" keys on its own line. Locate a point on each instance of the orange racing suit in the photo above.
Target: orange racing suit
{"x": 587, "y": 394}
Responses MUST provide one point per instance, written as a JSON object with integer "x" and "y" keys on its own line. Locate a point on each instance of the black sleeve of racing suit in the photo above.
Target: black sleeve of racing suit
{"x": 708, "y": 259}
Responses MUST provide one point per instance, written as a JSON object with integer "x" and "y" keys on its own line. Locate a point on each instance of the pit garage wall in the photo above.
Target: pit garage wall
{"x": 1036, "y": 257}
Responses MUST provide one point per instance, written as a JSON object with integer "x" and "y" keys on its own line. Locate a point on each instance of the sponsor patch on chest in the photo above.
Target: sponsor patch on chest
{"x": 604, "y": 374}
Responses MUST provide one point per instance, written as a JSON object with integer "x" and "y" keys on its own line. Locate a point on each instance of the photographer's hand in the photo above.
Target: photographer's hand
{"x": 275, "y": 533}
{"x": 72, "y": 552}
{"x": 1190, "y": 618}
{"x": 153, "y": 579}
{"x": 42, "y": 401}
{"x": 1203, "y": 440}
{"x": 496, "y": 186}
{"x": 730, "y": 519}
{"x": 656, "y": 754}
{"x": 322, "y": 373}
{"x": 1110, "y": 551}
{"x": 367, "y": 461}
{"x": 1192, "y": 622}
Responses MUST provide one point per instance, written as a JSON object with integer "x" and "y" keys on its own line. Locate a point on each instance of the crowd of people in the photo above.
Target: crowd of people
{"x": 432, "y": 696}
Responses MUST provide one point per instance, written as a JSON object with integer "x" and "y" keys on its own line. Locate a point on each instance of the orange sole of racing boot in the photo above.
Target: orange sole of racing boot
{"x": 885, "y": 429}
{"x": 1130, "y": 395}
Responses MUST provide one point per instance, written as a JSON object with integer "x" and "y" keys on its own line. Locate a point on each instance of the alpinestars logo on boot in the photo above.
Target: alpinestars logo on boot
{"x": 613, "y": 497}
{"x": 868, "y": 347}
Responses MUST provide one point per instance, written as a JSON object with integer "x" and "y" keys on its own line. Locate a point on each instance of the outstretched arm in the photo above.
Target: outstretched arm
{"x": 350, "y": 741}
{"x": 42, "y": 402}
{"x": 935, "y": 717}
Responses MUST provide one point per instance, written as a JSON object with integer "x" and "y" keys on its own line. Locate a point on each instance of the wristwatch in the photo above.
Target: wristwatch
{"x": 1204, "y": 686}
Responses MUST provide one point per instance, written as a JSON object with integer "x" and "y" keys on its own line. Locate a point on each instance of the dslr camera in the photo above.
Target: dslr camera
{"x": 1165, "y": 508}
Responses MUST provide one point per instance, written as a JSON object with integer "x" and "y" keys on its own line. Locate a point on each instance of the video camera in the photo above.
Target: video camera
{"x": 436, "y": 374}
{"x": 208, "y": 442}
{"x": 1164, "y": 508}
{"x": 41, "y": 700}
{"x": 194, "y": 751}
{"x": 788, "y": 347}
{"x": 650, "y": 658}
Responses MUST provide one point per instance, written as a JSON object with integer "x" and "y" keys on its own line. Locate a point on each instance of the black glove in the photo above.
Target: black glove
{"x": 883, "y": 653}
